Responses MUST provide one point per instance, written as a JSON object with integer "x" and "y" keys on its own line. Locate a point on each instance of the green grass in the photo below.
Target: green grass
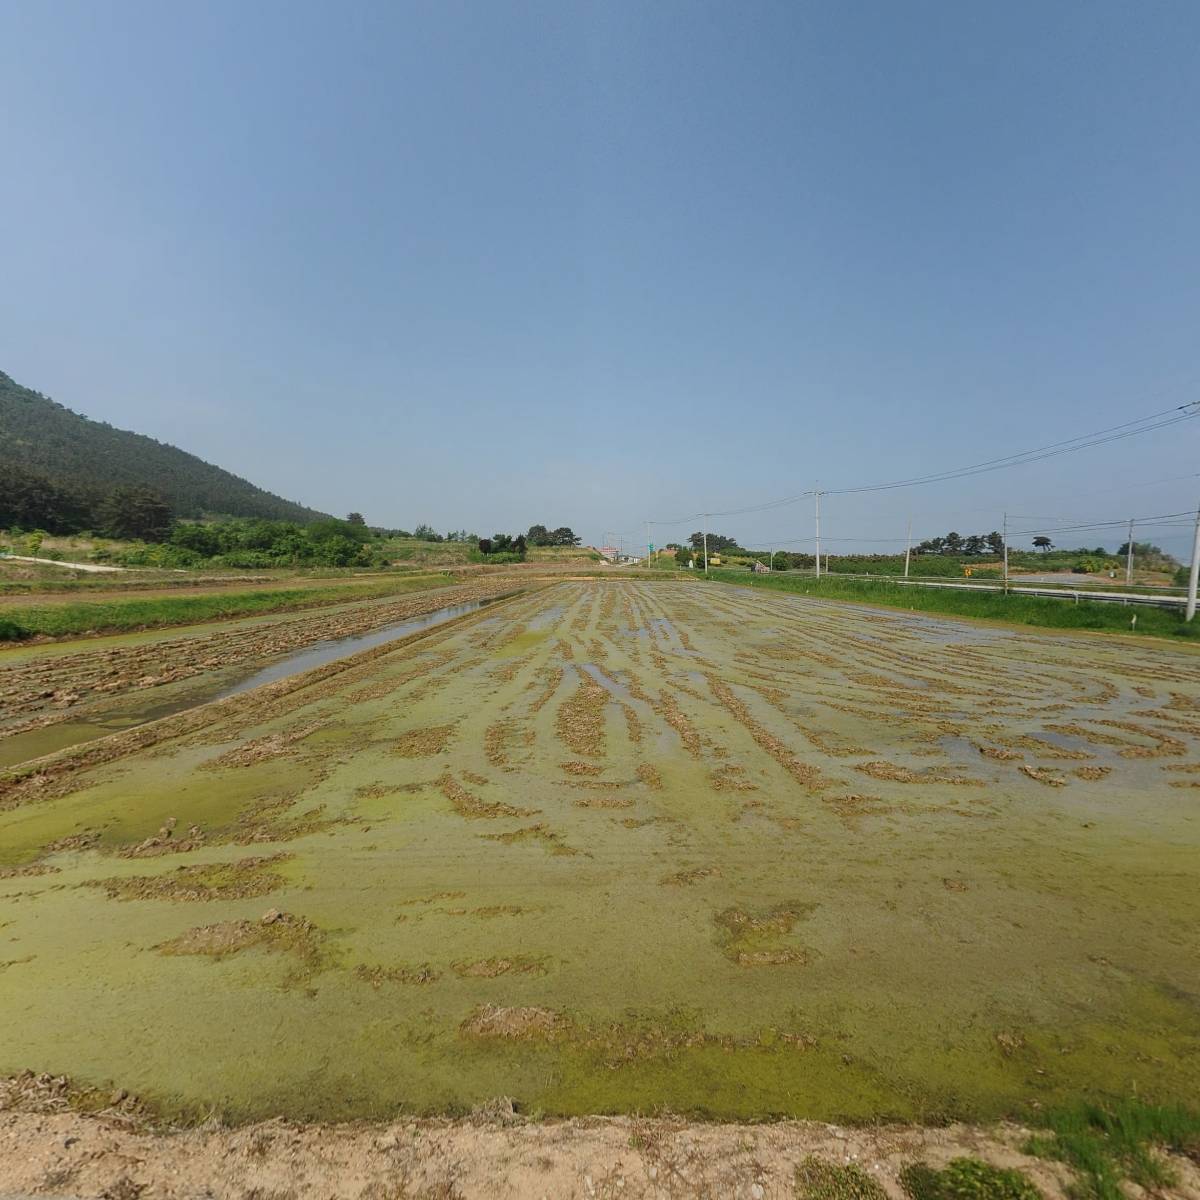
{"x": 122, "y": 616}
{"x": 1045, "y": 612}
{"x": 966, "y": 1179}
{"x": 1107, "y": 1144}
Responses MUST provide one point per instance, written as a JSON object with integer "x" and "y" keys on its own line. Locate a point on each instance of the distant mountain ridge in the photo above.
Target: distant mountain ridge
{"x": 42, "y": 436}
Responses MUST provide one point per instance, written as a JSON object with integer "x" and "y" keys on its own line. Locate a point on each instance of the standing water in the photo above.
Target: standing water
{"x": 152, "y": 706}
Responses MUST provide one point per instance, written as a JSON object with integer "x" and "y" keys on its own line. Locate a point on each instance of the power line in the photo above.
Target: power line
{"x": 1114, "y": 433}
{"x": 1179, "y": 520}
{"x": 1184, "y": 412}
{"x": 1142, "y": 521}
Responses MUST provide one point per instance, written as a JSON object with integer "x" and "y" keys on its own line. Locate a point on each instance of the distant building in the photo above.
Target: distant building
{"x": 761, "y": 569}
{"x": 610, "y": 552}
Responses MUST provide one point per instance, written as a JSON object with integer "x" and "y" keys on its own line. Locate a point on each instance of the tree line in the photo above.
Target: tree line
{"x": 30, "y": 500}
{"x": 954, "y": 543}
{"x": 538, "y": 535}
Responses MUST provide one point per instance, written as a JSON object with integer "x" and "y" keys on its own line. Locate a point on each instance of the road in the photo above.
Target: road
{"x": 94, "y": 568}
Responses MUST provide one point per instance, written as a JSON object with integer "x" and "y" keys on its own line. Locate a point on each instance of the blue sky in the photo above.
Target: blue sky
{"x": 492, "y": 264}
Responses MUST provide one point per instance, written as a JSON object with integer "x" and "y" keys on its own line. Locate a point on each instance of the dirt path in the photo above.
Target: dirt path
{"x": 64, "y": 1154}
{"x": 90, "y": 568}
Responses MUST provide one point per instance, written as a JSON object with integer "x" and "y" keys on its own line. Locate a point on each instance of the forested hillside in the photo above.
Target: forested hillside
{"x": 84, "y": 456}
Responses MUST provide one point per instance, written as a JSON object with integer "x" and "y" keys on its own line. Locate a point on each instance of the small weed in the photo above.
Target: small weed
{"x": 966, "y": 1179}
{"x": 817, "y": 1179}
{"x": 1108, "y": 1144}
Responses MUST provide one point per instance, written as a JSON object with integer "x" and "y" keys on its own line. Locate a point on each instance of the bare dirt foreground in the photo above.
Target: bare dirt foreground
{"x": 494, "y": 1156}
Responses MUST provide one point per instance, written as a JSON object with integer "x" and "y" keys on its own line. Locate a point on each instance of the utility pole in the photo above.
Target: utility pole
{"x": 907, "y": 547}
{"x": 706, "y": 543}
{"x": 647, "y": 543}
{"x": 1194, "y": 573}
{"x": 1004, "y": 539}
{"x": 1129, "y": 556}
{"x": 817, "y": 498}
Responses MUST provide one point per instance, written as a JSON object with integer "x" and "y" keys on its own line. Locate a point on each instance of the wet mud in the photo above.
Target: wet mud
{"x": 613, "y": 846}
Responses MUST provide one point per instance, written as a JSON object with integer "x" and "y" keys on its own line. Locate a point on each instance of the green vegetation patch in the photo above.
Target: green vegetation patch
{"x": 817, "y": 1179}
{"x": 121, "y": 616}
{"x": 966, "y": 1179}
{"x": 1014, "y": 608}
{"x": 1106, "y": 1144}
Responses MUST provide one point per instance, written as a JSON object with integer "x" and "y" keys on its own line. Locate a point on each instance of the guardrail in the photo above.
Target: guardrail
{"x": 1157, "y": 599}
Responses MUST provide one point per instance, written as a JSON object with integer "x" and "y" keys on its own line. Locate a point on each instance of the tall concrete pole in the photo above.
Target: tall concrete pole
{"x": 706, "y": 543}
{"x": 1129, "y": 555}
{"x": 907, "y": 547}
{"x": 1004, "y": 538}
{"x": 817, "y": 498}
{"x": 1194, "y": 573}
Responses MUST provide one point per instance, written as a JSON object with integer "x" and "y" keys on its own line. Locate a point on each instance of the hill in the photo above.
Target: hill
{"x": 72, "y": 451}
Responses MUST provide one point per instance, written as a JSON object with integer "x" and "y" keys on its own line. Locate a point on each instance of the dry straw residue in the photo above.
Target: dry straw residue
{"x": 470, "y": 806}
{"x": 423, "y": 743}
{"x": 525, "y": 1023}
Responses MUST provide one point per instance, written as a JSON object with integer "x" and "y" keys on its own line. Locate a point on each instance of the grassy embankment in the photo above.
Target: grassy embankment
{"x": 988, "y": 605}
{"x": 123, "y": 616}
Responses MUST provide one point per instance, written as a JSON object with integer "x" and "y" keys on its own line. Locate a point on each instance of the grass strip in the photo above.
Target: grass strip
{"x": 1107, "y": 1144}
{"x": 125, "y": 616}
{"x": 1046, "y": 612}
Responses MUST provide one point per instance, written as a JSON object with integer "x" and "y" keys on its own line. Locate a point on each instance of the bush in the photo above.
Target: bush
{"x": 966, "y": 1179}
{"x": 161, "y": 554}
{"x": 497, "y": 556}
{"x": 10, "y": 631}
{"x": 817, "y": 1179}
{"x": 244, "y": 560}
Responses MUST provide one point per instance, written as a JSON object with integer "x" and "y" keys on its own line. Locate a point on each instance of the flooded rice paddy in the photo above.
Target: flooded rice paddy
{"x": 628, "y": 846}
{"x": 65, "y": 694}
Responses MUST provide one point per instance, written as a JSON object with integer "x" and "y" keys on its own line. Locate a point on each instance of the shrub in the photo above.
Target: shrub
{"x": 497, "y": 556}
{"x": 244, "y": 560}
{"x": 10, "y": 631}
{"x": 966, "y": 1179}
{"x": 817, "y": 1179}
{"x": 160, "y": 554}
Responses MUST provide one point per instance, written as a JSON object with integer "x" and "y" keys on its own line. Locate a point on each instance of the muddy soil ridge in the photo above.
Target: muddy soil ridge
{"x": 42, "y": 690}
